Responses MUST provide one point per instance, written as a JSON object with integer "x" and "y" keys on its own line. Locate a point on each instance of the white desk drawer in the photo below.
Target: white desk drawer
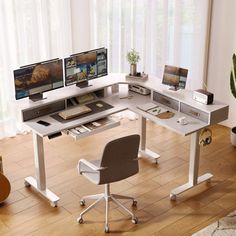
{"x": 194, "y": 112}
{"x": 170, "y": 102}
{"x": 93, "y": 127}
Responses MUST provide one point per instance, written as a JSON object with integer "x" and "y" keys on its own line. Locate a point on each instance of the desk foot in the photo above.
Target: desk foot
{"x": 150, "y": 154}
{"x": 206, "y": 177}
{"x": 53, "y": 199}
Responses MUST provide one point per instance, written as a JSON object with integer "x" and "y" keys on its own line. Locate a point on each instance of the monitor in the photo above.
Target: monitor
{"x": 84, "y": 66}
{"x": 175, "y": 77}
{"x": 32, "y": 80}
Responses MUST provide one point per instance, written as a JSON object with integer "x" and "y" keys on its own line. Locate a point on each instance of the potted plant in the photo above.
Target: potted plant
{"x": 133, "y": 57}
{"x": 233, "y": 91}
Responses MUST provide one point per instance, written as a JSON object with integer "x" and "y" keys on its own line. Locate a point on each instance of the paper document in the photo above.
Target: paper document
{"x": 147, "y": 106}
{"x": 152, "y": 108}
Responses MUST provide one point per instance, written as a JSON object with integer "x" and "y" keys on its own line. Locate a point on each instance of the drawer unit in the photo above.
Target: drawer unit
{"x": 219, "y": 115}
{"x": 93, "y": 127}
{"x": 196, "y": 113}
{"x": 32, "y": 113}
{"x": 170, "y": 102}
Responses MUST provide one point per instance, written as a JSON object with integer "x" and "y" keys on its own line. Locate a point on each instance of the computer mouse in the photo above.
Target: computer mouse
{"x": 99, "y": 104}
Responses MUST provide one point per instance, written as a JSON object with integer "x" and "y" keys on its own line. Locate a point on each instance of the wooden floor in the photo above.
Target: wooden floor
{"x": 26, "y": 213}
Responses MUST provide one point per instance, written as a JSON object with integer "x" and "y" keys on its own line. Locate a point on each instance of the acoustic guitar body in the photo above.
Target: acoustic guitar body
{"x": 5, "y": 187}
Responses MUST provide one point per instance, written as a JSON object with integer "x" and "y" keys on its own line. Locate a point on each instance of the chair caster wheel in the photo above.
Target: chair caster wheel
{"x": 134, "y": 203}
{"x": 53, "y": 204}
{"x": 27, "y": 184}
{"x": 135, "y": 220}
{"x": 82, "y": 203}
{"x": 172, "y": 197}
{"x": 80, "y": 220}
{"x": 106, "y": 229}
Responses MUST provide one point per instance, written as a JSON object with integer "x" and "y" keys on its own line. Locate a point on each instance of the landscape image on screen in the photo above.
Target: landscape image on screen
{"x": 175, "y": 76}
{"x": 183, "y": 78}
{"x": 38, "y": 78}
{"x": 171, "y": 76}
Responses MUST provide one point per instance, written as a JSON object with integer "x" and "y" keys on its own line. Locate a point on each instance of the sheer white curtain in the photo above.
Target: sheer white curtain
{"x": 163, "y": 32}
{"x": 31, "y": 31}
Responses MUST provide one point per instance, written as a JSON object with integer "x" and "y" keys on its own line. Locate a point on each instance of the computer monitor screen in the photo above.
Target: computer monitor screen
{"x": 38, "y": 78}
{"x": 85, "y": 66}
{"x": 175, "y": 77}
{"x": 183, "y": 73}
{"x": 101, "y": 62}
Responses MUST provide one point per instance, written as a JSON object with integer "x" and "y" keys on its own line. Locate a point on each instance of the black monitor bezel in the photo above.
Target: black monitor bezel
{"x": 34, "y": 65}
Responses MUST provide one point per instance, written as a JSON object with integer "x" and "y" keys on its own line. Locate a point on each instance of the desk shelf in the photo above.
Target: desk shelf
{"x": 93, "y": 127}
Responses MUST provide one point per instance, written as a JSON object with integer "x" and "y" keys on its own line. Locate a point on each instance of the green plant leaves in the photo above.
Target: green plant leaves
{"x": 232, "y": 77}
{"x": 133, "y": 56}
{"x": 234, "y": 64}
{"x": 232, "y": 84}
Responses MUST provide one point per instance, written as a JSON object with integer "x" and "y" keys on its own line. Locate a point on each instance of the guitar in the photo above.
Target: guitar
{"x": 5, "y": 186}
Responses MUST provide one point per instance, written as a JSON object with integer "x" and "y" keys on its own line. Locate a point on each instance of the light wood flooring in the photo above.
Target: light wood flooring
{"x": 26, "y": 213}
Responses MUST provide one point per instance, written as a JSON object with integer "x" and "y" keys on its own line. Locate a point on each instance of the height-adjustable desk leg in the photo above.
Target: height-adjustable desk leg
{"x": 193, "y": 178}
{"x": 143, "y": 150}
{"x": 39, "y": 183}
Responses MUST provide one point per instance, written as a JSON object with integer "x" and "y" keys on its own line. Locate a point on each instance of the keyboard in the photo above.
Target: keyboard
{"x": 75, "y": 111}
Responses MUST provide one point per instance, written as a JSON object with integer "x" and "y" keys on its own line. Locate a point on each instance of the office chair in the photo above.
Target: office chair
{"x": 119, "y": 161}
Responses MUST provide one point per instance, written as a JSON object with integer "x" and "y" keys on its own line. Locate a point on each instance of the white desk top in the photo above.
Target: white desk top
{"x": 152, "y": 83}
{"x": 171, "y": 123}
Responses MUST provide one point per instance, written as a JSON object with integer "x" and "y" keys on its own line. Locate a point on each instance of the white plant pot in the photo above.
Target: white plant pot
{"x": 233, "y": 136}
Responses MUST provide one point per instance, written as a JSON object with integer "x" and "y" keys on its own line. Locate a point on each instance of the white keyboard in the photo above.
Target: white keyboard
{"x": 75, "y": 111}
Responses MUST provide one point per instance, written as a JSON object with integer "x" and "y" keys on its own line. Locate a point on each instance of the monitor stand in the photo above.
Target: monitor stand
{"x": 174, "y": 88}
{"x": 36, "y": 97}
{"x": 83, "y": 84}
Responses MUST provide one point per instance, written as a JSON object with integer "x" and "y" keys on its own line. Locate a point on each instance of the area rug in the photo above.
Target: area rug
{"x": 226, "y": 226}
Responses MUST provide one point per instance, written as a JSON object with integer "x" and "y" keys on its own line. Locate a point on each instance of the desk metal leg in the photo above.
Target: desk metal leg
{"x": 143, "y": 150}
{"x": 39, "y": 183}
{"x": 193, "y": 178}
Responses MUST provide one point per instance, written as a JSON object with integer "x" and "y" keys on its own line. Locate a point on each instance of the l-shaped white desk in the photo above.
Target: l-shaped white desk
{"x": 108, "y": 90}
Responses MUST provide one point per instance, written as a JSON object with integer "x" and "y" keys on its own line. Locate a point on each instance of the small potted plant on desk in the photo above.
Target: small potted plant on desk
{"x": 233, "y": 90}
{"x": 133, "y": 58}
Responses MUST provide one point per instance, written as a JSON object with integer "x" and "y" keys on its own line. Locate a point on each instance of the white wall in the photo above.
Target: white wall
{"x": 81, "y": 40}
{"x": 222, "y": 46}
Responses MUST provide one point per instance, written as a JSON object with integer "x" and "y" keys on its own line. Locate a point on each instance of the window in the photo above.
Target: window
{"x": 31, "y": 31}
{"x": 163, "y": 32}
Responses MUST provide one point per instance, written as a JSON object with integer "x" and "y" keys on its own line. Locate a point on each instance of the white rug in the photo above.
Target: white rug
{"x": 226, "y": 226}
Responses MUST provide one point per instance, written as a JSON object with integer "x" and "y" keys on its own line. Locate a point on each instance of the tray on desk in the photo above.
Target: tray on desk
{"x": 95, "y": 109}
{"x": 94, "y": 127}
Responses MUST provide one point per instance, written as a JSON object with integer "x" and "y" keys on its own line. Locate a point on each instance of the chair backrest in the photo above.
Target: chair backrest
{"x": 120, "y": 157}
